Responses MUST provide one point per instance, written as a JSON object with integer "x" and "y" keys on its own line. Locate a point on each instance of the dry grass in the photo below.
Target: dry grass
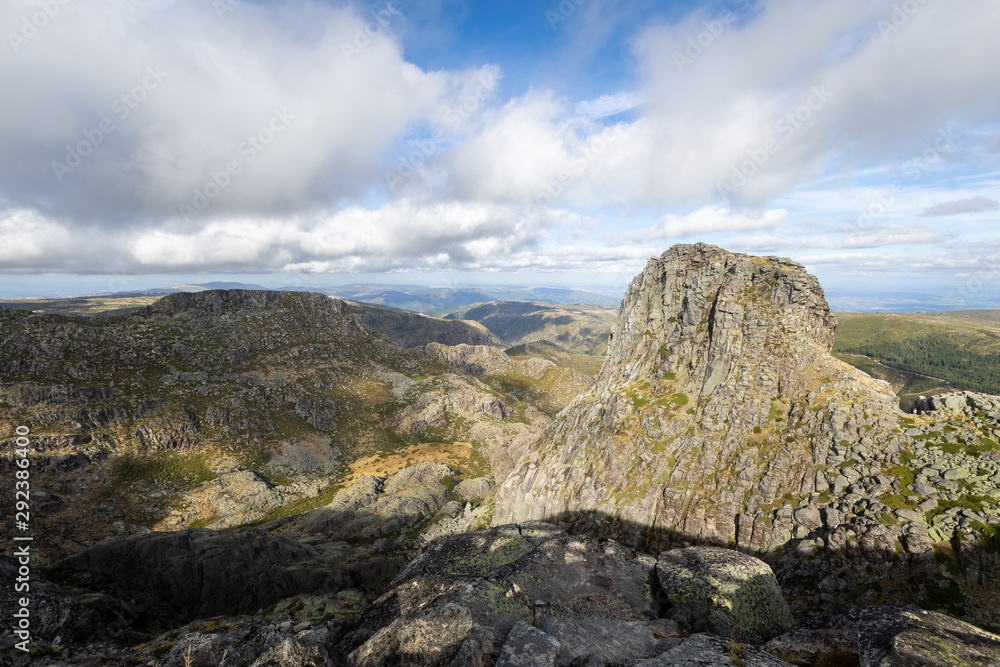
{"x": 188, "y": 659}
{"x": 454, "y": 454}
{"x": 735, "y": 650}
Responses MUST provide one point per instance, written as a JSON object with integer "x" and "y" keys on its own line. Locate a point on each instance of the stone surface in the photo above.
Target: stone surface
{"x": 829, "y": 637}
{"x": 595, "y": 640}
{"x": 470, "y": 489}
{"x": 710, "y": 651}
{"x": 200, "y": 572}
{"x": 724, "y": 591}
{"x": 376, "y": 506}
{"x": 522, "y": 574}
{"x": 893, "y": 637}
{"x": 430, "y": 638}
{"x": 527, "y": 646}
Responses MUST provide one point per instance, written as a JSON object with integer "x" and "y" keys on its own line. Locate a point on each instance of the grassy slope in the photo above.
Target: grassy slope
{"x": 962, "y": 333}
{"x": 86, "y": 305}
{"x": 578, "y": 329}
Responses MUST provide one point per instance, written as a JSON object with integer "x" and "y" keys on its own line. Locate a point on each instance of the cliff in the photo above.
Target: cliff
{"x": 718, "y": 397}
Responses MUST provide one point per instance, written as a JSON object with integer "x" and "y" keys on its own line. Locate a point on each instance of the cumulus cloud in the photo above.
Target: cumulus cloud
{"x": 773, "y": 102}
{"x": 402, "y": 234}
{"x": 137, "y": 146}
{"x": 972, "y": 205}
{"x": 261, "y": 139}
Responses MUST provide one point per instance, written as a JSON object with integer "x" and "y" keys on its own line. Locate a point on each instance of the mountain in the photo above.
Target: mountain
{"x": 444, "y": 300}
{"x": 237, "y": 391}
{"x": 411, "y": 329}
{"x": 720, "y": 416}
{"x": 578, "y": 329}
{"x": 286, "y": 479}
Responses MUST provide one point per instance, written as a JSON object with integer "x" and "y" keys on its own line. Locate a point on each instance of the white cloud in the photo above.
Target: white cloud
{"x": 712, "y": 219}
{"x": 609, "y": 105}
{"x": 877, "y": 238}
{"x": 972, "y": 205}
{"x": 799, "y": 93}
{"x": 221, "y": 82}
{"x": 398, "y": 234}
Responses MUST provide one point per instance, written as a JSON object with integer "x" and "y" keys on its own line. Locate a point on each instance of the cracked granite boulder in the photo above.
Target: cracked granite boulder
{"x": 893, "y": 637}
{"x": 488, "y": 582}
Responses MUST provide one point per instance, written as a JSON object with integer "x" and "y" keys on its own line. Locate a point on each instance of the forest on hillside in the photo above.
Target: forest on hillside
{"x": 937, "y": 357}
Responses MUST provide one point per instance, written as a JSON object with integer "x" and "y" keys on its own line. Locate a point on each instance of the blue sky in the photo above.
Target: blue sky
{"x": 449, "y": 142}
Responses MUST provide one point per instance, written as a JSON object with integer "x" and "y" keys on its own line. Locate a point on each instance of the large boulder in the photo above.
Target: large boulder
{"x": 596, "y": 640}
{"x": 467, "y": 592}
{"x": 723, "y": 591}
{"x": 527, "y": 646}
{"x": 429, "y": 638}
{"x": 894, "y": 637}
{"x": 832, "y": 638}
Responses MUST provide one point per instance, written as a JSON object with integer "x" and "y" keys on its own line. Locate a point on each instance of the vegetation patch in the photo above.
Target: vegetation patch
{"x": 178, "y": 469}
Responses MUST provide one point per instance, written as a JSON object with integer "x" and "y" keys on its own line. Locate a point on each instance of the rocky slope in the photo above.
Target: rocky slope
{"x": 721, "y": 417}
{"x": 575, "y": 328}
{"x": 528, "y": 595}
{"x": 416, "y": 329}
{"x": 220, "y": 408}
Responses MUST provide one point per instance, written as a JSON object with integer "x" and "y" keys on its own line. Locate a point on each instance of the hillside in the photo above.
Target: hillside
{"x": 924, "y": 353}
{"x": 154, "y": 407}
{"x": 577, "y": 329}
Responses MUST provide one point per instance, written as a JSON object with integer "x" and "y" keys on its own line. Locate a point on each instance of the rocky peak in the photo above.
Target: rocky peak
{"x": 217, "y": 302}
{"x": 702, "y": 310}
{"x": 717, "y": 399}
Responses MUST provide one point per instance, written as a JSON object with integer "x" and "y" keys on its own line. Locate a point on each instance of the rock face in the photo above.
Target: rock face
{"x": 591, "y": 600}
{"x": 233, "y": 499}
{"x": 725, "y": 592}
{"x": 718, "y": 397}
{"x": 376, "y": 506}
{"x": 167, "y": 406}
{"x": 890, "y": 637}
{"x": 712, "y": 651}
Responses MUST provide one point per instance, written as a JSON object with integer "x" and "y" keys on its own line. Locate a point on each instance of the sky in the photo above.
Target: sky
{"x": 450, "y": 142}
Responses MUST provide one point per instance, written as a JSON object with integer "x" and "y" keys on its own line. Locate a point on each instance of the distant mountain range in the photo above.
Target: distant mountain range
{"x": 429, "y": 300}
